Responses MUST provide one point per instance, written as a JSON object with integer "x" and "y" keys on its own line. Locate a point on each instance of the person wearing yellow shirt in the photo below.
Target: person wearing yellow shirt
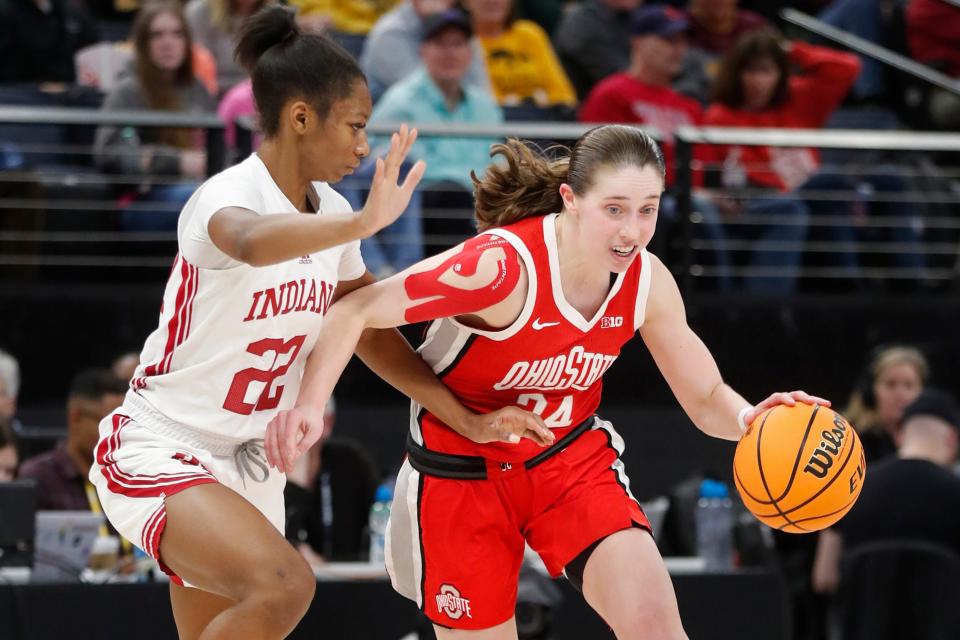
{"x": 356, "y": 17}
{"x": 520, "y": 59}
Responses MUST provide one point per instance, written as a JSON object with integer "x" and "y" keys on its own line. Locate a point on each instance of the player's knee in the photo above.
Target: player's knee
{"x": 286, "y": 591}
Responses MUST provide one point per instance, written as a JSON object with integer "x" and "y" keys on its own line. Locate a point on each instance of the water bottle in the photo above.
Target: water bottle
{"x": 379, "y": 514}
{"x": 714, "y": 521}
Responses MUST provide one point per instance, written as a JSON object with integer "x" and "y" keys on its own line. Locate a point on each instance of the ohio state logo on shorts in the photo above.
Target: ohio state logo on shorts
{"x": 450, "y": 602}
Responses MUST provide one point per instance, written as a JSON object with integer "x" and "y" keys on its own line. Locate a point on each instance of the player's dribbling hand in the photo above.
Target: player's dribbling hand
{"x": 388, "y": 199}
{"x": 289, "y": 434}
{"x": 788, "y": 398}
{"x": 509, "y": 424}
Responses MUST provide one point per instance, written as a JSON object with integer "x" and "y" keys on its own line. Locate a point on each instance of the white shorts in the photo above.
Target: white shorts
{"x": 135, "y": 468}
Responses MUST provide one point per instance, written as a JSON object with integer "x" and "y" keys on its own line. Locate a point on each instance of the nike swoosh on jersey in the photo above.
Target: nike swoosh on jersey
{"x": 537, "y": 325}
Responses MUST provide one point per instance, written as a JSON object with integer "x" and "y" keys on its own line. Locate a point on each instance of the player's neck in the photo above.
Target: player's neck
{"x": 930, "y": 450}
{"x": 578, "y": 272}
{"x": 82, "y": 459}
{"x": 283, "y": 165}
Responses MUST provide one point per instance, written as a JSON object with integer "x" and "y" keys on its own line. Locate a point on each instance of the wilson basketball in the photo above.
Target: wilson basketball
{"x": 800, "y": 468}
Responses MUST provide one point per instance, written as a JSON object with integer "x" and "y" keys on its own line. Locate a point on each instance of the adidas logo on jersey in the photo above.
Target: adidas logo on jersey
{"x": 578, "y": 369}
{"x": 296, "y": 295}
{"x": 305, "y": 260}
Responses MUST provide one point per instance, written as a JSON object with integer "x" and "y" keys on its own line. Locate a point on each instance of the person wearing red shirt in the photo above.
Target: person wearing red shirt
{"x": 642, "y": 94}
{"x": 756, "y": 89}
{"x": 531, "y": 312}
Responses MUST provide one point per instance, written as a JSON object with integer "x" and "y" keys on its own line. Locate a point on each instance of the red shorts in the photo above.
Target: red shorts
{"x": 456, "y": 546}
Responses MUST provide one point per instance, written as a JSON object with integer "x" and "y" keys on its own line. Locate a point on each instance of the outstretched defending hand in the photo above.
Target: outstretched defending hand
{"x": 388, "y": 199}
{"x": 289, "y": 434}
{"x": 508, "y": 424}
{"x": 788, "y": 398}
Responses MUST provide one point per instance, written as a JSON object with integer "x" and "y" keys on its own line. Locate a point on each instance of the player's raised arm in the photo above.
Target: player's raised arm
{"x": 261, "y": 240}
{"x": 482, "y": 281}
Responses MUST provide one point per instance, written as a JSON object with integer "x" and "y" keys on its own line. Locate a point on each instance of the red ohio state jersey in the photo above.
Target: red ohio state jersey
{"x": 551, "y": 360}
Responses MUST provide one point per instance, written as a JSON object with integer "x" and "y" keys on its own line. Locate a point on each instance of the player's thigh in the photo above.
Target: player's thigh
{"x": 193, "y": 609}
{"x": 626, "y": 582}
{"x": 217, "y": 541}
{"x": 504, "y": 631}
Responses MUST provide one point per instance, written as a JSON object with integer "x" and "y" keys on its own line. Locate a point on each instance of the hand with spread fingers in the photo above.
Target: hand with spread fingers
{"x": 388, "y": 198}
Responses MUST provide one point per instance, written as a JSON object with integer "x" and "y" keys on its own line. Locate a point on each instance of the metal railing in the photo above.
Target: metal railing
{"x": 26, "y": 241}
{"x": 871, "y": 49}
{"x": 936, "y": 237}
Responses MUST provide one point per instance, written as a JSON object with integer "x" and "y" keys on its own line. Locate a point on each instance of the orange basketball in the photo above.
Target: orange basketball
{"x": 800, "y": 468}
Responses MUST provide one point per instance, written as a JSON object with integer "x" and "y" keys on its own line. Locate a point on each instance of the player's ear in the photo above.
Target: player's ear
{"x": 569, "y": 198}
{"x": 298, "y": 114}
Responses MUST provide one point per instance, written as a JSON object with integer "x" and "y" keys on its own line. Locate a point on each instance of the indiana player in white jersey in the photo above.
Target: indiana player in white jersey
{"x": 536, "y": 310}
{"x": 265, "y": 248}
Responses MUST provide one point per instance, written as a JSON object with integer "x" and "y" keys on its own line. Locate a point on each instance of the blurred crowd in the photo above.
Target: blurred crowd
{"x": 662, "y": 66}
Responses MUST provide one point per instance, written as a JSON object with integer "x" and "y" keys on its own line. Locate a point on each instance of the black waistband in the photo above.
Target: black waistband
{"x": 447, "y": 465}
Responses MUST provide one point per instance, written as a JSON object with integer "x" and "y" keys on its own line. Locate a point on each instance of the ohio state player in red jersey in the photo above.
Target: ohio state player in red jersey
{"x": 533, "y": 311}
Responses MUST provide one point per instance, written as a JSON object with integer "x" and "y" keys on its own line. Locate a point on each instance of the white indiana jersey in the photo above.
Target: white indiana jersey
{"x": 232, "y": 340}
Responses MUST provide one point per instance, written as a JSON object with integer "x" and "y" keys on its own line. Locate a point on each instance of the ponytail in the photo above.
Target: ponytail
{"x": 286, "y": 64}
{"x": 271, "y": 26}
{"x": 529, "y": 185}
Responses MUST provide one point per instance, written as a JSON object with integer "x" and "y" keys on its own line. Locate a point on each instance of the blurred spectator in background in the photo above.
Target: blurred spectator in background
{"x": 593, "y": 41}
{"x": 867, "y": 19}
{"x": 61, "y": 474}
{"x": 356, "y": 17}
{"x": 892, "y": 379}
{"x": 328, "y": 497}
{"x": 755, "y": 88}
{"x": 391, "y": 51}
{"x": 124, "y": 366}
{"x": 520, "y": 58}
{"x": 162, "y": 79}
{"x": 716, "y": 25}
{"x": 9, "y": 456}
{"x": 214, "y": 24}
{"x": 38, "y": 39}
{"x": 933, "y": 35}
{"x": 437, "y": 92}
{"x": 913, "y": 496}
{"x": 643, "y": 95}
{"x": 9, "y": 388}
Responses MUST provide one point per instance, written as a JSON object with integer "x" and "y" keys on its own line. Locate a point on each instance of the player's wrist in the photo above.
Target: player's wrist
{"x": 742, "y": 418}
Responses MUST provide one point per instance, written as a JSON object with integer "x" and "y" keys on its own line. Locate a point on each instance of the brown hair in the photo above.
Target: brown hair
{"x": 748, "y": 50}
{"x": 530, "y": 183}
{"x": 861, "y": 408}
{"x": 159, "y": 93}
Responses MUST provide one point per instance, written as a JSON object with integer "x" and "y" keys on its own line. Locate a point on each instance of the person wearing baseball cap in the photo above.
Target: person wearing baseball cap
{"x": 438, "y": 91}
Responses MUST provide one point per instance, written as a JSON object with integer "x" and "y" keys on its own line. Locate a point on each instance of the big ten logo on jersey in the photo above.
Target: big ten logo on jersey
{"x": 611, "y": 322}
{"x": 578, "y": 370}
{"x": 297, "y": 295}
